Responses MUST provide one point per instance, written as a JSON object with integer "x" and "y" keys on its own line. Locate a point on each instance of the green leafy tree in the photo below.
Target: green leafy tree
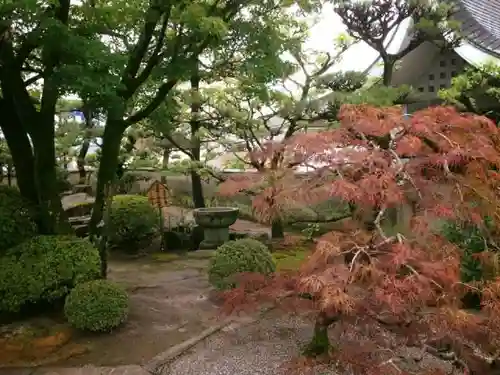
{"x": 476, "y": 90}
{"x": 375, "y": 21}
{"x": 264, "y": 136}
{"x": 250, "y": 53}
{"x": 110, "y": 53}
{"x": 273, "y": 112}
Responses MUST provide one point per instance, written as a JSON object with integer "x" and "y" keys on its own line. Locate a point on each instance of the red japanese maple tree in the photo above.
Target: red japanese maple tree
{"x": 441, "y": 163}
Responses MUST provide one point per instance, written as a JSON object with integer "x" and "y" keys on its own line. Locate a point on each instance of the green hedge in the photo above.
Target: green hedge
{"x": 16, "y": 218}
{"x": 133, "y": 223}
{"x": 97, "y": 306}
{"x": 45, "y": 269}
{"x": 470, "y": 239}
{"x": 235, "y": 257}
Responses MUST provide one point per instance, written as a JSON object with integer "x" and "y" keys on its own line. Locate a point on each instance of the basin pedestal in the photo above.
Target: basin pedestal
{"x": 215, "y": 222}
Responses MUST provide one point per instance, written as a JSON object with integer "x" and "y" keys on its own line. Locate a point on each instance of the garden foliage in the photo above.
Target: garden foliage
{"x": 236, "y": 257}
{"x": 97, "y": 306}
{"x": 133, "y": 222}
{"x": 44, "y": 269}
{"x": 17, "y": 218}
{"x": 384, "y": 290}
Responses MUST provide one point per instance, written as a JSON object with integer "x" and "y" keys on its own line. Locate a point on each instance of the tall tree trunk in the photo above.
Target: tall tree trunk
{"x": 277, "y": 229}
{"x": 39, "y": 124}
{"x": 320, "y": 343}
{"x": 106, "y": 175}
{"x": 196, "y": 183}
{"x": 164, "y": 162}
{"x": 9, "y": 174}
{"x": 42, "y": 133}
{"x": 51, "y": 210}
{"x": 104, "y": 236}
{"x": 80, "y": 161}
{"x": 82, "y": 154}
{"x": 20, "y": 149}
{"x": 388, "y": 71}
{"x": 277, "y": 225}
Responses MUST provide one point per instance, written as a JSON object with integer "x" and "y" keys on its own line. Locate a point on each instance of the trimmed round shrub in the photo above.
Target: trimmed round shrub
{"x": 133, "y": 222}
{"x": 16, "y": 218}
{"x": 45, "y": 269}
{"x": 97, "y": 306}
{"x": 235, "y": 257}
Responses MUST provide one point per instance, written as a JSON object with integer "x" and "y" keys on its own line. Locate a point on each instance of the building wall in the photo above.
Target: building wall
{"x": 444, "y": 67}
{"x": 428, "y": 69}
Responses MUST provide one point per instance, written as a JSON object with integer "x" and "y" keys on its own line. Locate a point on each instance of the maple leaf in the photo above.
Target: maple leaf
{"x": 437, "y": 165}
{"x": 346, "y": 190}
{"x": 409, "y": 145}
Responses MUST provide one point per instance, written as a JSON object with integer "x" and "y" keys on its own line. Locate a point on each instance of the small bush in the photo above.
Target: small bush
{"x": 16, "y": 218}
{"x": 133, "y": 222}
{"x": 126, "y": 183}
{"x": 97, "y": 306}
{"x": 471, "y": 241}
{"x": 45, "y": 269}
{"x": 234, "y": 257}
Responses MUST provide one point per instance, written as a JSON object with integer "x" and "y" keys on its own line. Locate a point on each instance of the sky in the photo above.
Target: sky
{"x": 358, "y": 57}
{"x": 322, "y": 35}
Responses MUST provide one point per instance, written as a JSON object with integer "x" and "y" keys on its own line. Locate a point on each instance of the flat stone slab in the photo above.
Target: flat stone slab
{"x": 76, "y": 199}
{"x": 92, "y": 370}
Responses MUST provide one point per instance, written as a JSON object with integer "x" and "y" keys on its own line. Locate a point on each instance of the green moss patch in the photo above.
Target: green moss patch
{"x": 290, "y": 260}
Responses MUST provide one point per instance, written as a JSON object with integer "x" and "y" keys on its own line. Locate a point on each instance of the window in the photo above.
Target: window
{"x": 454, "y": 74}
{"x": 421, "y": 89}
{"x": 431, "y": 88}
{"x": 453, "y": 61}
{"x": 442, "y": 86}
{"x": 431, "y": 77}
{"x": 442, "y": 75}
{"x": 442, "y": 63}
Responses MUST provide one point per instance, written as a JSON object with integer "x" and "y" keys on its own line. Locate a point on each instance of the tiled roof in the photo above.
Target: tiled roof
{"x": 480, "y": 23}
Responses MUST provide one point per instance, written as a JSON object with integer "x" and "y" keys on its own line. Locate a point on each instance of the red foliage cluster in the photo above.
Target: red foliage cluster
{"x": 442, "y": 164}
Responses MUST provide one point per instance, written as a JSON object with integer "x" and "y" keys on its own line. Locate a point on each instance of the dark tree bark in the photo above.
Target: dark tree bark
{"x": 277, "y": 229}
{"x": 388, "y": 71}
{"x": 20, "y": 149}
{"x": 164, "y": 163}
{"x": 82, "y": 154}
{"x": 320, "y": 342}
{"x": 196, "y": 183}
{"x": 38, "y": 123}
{"x": 106, "y": 175}
{"x": 9, "y": 174}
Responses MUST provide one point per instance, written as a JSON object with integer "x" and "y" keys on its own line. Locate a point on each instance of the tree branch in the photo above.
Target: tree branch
{"x": 153, "y": 16}
{"x": 153, "y": 104}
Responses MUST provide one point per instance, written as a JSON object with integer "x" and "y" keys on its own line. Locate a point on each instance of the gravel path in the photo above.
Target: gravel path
{"x": 261, "y": 348}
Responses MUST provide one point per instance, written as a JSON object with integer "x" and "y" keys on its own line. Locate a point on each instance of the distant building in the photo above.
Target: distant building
{"x": 429, "y": 69}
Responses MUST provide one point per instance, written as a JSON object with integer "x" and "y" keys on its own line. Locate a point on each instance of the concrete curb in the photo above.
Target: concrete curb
{"x": 155, "y": 365}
